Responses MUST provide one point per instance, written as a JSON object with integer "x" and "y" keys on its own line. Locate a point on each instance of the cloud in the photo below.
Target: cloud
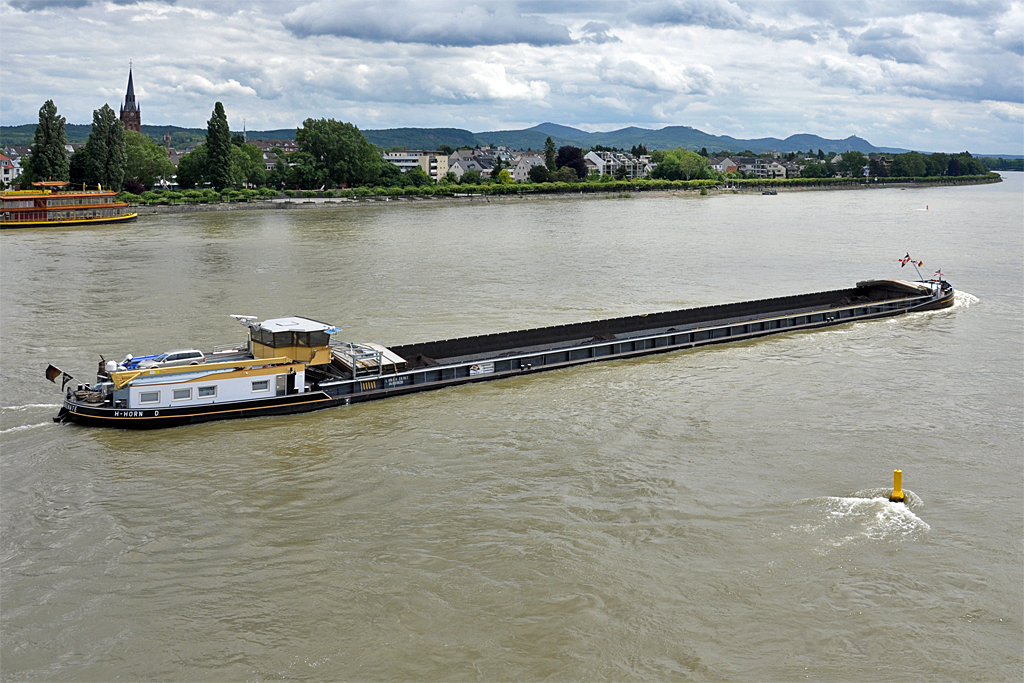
{"x": 484, "y": 81}
{"x": 887, "y": 43}
{"x": 656, "y": 77}
{"x": 407, "y": 21}
{"x": 861, "y": 65}
{"x": 40, "y": 5}
{"x": 1007, "y": 111}
{"x": 597, "y": 32}
{"x": 196, "y": 84}
{"x": 716, "y": 14}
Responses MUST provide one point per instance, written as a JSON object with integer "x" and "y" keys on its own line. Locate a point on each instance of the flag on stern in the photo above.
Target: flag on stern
{"x": 52, "y": 373}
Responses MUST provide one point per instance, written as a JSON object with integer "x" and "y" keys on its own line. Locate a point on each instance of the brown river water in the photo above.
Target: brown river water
{"x": 711, "y": 515}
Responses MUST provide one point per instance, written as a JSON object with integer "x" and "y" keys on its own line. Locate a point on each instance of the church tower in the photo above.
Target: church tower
{"x": 131, "y": 113}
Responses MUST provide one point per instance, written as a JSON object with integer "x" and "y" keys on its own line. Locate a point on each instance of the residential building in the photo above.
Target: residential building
{"x": 618, "y": 163}
{"x": 9, "y": 170}
{"x": 637, "y": 167}
{"x": 432, "y": 163}
{"x": 723, "y": 164}
{"x": 461, "y": 166}
{"x": 525, "y": 162}
{"x": 769, "y": 168}
{"x": 286, "y": 146}
{"x": 747, "y": 165}
{"x": 595, "y": 163}
{"x": 792, "y": 169}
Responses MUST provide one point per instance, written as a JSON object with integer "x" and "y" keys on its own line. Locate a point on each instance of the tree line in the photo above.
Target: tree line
{"x": 112, "y": 157}
{"x": 335, "y": 154}
{"x": 906, "y": 165}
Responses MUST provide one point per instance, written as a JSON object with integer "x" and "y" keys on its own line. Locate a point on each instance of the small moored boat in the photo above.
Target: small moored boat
{"x": 295, "y": 364}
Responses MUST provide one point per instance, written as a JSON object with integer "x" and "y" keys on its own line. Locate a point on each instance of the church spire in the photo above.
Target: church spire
{"x": 129, "y": 98}
{"x": 131, "y": 112}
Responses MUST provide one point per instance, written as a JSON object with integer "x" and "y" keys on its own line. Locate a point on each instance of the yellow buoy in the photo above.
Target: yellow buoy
{"x": 897, "y": 487}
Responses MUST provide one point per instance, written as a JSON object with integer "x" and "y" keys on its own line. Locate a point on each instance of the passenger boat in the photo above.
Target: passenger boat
{"x": 52, "y": 205}
{"x": 294, "y": 364}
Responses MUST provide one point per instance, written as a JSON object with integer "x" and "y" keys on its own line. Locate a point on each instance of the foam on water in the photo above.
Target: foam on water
{"x": 865, "y": 515}
{"x": 24, "y": 427}
{"x": 964, "y": 299}
{"x": 29, "y": 406}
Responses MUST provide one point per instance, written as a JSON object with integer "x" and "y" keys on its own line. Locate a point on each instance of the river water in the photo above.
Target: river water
{"x": 707, "y": 515}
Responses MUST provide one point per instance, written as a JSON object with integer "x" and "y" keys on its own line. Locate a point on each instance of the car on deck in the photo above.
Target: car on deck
{"x": 177, "y": 357}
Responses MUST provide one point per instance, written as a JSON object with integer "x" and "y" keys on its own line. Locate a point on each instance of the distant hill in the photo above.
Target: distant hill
{"x": 669, "y": 137}
{"x": 420, "y": 138}
{"x": 78, "y": 132}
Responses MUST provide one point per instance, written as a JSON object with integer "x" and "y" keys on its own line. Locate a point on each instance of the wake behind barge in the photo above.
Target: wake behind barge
{"x": 293, "y": 365}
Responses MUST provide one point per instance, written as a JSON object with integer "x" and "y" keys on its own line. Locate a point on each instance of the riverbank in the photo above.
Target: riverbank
{"x": 582, "y": 191}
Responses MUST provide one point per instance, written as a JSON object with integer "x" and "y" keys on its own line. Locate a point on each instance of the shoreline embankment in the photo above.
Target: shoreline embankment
{"x": 588, "y": 192}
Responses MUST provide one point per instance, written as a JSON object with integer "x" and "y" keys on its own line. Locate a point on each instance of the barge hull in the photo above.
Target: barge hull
{"x": 497, "y": 356}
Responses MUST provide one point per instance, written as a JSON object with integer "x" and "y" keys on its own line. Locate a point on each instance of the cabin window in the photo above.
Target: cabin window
{"x": 149, "y": 397}
{"x": 261, "y": 385}
{"x": 182, "y": 394}
{"x": 207, "y": 392}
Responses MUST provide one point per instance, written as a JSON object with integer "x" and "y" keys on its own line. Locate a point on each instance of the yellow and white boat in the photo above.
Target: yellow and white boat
{"x": 52, "y": 205}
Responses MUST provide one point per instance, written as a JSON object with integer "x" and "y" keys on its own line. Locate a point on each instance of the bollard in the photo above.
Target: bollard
{"x": 897, "y": 487}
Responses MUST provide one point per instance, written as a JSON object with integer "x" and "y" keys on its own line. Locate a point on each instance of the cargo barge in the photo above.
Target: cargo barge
{"x": 294, "y": 365}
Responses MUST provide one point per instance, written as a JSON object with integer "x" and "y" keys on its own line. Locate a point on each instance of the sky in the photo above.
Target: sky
{"x": 934, "y": 75}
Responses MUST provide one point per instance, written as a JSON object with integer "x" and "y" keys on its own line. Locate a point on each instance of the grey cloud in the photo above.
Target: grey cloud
{"x": 39, "y": 5}
{"x": 597, "y": 32}
{"x": 838, "y": 14}
{"x": 805, "y": 34}
{"x": 978, "y": 9}
{"x": 410, "y": 22}
{"x": 1012, "y": 43}
{"x": 887, "y": 43}
{"x": 630, "y": 74}
{"x": 696, "y": 79}
{"x": 718, "y": 14}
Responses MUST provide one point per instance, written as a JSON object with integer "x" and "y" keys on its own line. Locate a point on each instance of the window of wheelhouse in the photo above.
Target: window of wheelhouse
{"x": 277, "y": 340}
{"x": 320, "y": 338}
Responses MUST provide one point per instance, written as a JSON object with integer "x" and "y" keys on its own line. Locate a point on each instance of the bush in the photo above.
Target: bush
{"x": 267, "y": 193}
{"x": 309, "y": 194}
{"x": 328, "y": 194}
{"x": 289, "y": 193}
